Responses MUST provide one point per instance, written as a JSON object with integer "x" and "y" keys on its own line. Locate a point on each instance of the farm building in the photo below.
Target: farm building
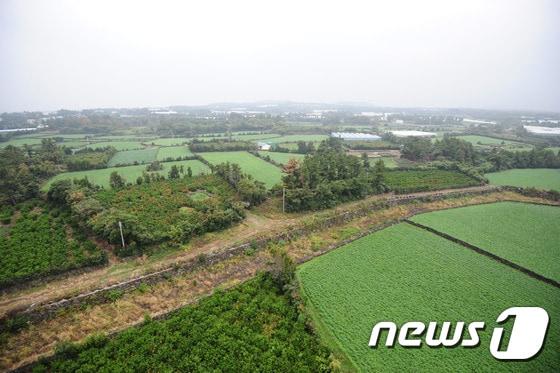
{"x": 355, "y": 136}
{"x": 263, "y": 146}
{"x": 413, "y": 134}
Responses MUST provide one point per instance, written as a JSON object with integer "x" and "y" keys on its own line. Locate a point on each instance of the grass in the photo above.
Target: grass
{"x": 402, "y": 274}
{"x": 21, "y": 141}
{"x": 131, "y": 156}
{"x": 173, "y": 152}
{"x": 119, "y": 145}
{"x": 130, "y": 173}
{"x": 490, "y": 141}
{"x": 260, "y": 170}
{"x": 282, "y": 158}
{"x": 389, "y": 162}
{"x": 522, "y": 233}
{"x": 540, "y": 178}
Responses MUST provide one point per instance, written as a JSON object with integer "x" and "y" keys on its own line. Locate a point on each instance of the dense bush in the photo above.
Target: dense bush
{"x": 251, "y": 191}
{"x": 41, "y": 242}
{"x": 251, "y": 328}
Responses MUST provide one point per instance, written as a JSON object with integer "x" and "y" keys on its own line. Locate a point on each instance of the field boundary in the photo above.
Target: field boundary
{"x": 479, "y": 250}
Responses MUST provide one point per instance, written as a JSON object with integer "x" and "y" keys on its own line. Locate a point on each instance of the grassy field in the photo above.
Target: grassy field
{"x": 173, "y": 152}
{"x": 260, "y": 170}
{"x": 522, "y": 233}
{"x": 119, "y": 145}
{"x": 490, "y": 141}
{"x": 283, "y": 158}
{"x": 389, "y": 162}
{"x": 296, "y": 138}
{"x": 130, "y": 173}
{"x": 130, "y": 156}
{"x": 540, "y": 178}
{"x": 169, "y": 141}
{"x": 404, "y": 273}
{"x": 21, "y": 142}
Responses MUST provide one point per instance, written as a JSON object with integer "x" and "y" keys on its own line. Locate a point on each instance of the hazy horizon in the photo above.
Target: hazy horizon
{"x": 500, "y": 55}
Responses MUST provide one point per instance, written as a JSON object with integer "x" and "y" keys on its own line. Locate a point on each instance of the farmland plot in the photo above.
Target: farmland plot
{"x": 127, "y": 157}
{"x": 484, "y": 141}
{"x": 296, "y": 138}
{"x": 260, "y": 170}
{"x": 119, "y": 145}
{"x": 540, "y": 178}
{"x": 130, "y": 173}
{"x": 526, "y": 234}
{"x": 173, "y": 152}
{"x": 169, "y": 141}
{"x": 403, "y": 274}
{"x": 409, "y": 181}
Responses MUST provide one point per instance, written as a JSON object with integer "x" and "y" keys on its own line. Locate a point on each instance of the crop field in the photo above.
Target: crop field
{"x": 408, "y": 181}
{"x": 282, "y": 158}
{"x": 251, "y": 328}
{"x": 490, "y": 141}
{"x": 173, "y": 152}
{"x": 130, "y": 173}
{"x": 522, "y": 233}
{"x": 296, "y": 138}
{"x": 130, "y": 156}
{"x": 404, "y": 273}
{"x": 119, "y": 145}
{"x": 240, "y": 137}
{"x": 38, "y": 243}
{"x": 260, "y": 170}
{"x": 540, "y": 178}
{"x": 389, "y": 162}
{"x": 21, "y": 141}
{"x": 168, "y": 141}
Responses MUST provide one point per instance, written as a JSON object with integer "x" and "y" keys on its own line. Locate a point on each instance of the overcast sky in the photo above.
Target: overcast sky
{"x": 83, "y": 54}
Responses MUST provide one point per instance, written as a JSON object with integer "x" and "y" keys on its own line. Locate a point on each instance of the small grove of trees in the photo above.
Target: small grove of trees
{"x": 329, "y": 177}
{"x": 87, "y": 158}
{"x": 450, "y": 148}
{"x": 535, "y": 158}
{"x": 250, "y": 190}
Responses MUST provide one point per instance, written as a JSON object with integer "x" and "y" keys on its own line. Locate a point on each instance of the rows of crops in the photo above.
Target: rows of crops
{"x": 540, "y": 178}
{"x": 129, "y": 173}
{"x": 133, "y": 157}
{"x": 254, "y": 166}
{"x": 251, "y": 328}
{"x": 403, "y": 274}
{"x": 38, "y": 243}
{"x": 408, "y": 181}
{"x": 173, "y": 152}
{"x": 523, "y": 233}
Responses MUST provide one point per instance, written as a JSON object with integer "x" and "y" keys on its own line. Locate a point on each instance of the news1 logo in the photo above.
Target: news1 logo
{"x": 525, "y": 341}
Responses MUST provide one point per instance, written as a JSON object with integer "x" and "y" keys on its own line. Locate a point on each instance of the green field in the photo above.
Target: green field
{"x": 296, "y": 138}
{"x": 169, "y": 141}
{"x": 119, "y": 145}
{"x": 490, "y": 141}
{"x": 240, "y": 137}
{"x": 522, "y": 233}
{"x": 283, "y": 158}
{"x": 389, "y": 162}
{"x": 130, "y": 173}
{"x": 540, "y": 178}
{"x": 21, "y": 142}
{"x": 173, "y": 152}
{"x": 555, "y": 149}
{"x": 403, "y": 274}
{"x": 130, "y": 156}
{"x": 260, "y": 169}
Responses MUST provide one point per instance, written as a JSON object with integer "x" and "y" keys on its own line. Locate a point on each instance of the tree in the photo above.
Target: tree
{"x": 189, "y": 171}
{"x": 365, "y": 161}
{"x": 116, "y": 181}
{"x": 174, "y": 172}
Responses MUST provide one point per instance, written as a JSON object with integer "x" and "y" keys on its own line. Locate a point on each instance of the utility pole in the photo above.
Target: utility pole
{"x": 283, "y": 199}
{"x": 122, "y": 237}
